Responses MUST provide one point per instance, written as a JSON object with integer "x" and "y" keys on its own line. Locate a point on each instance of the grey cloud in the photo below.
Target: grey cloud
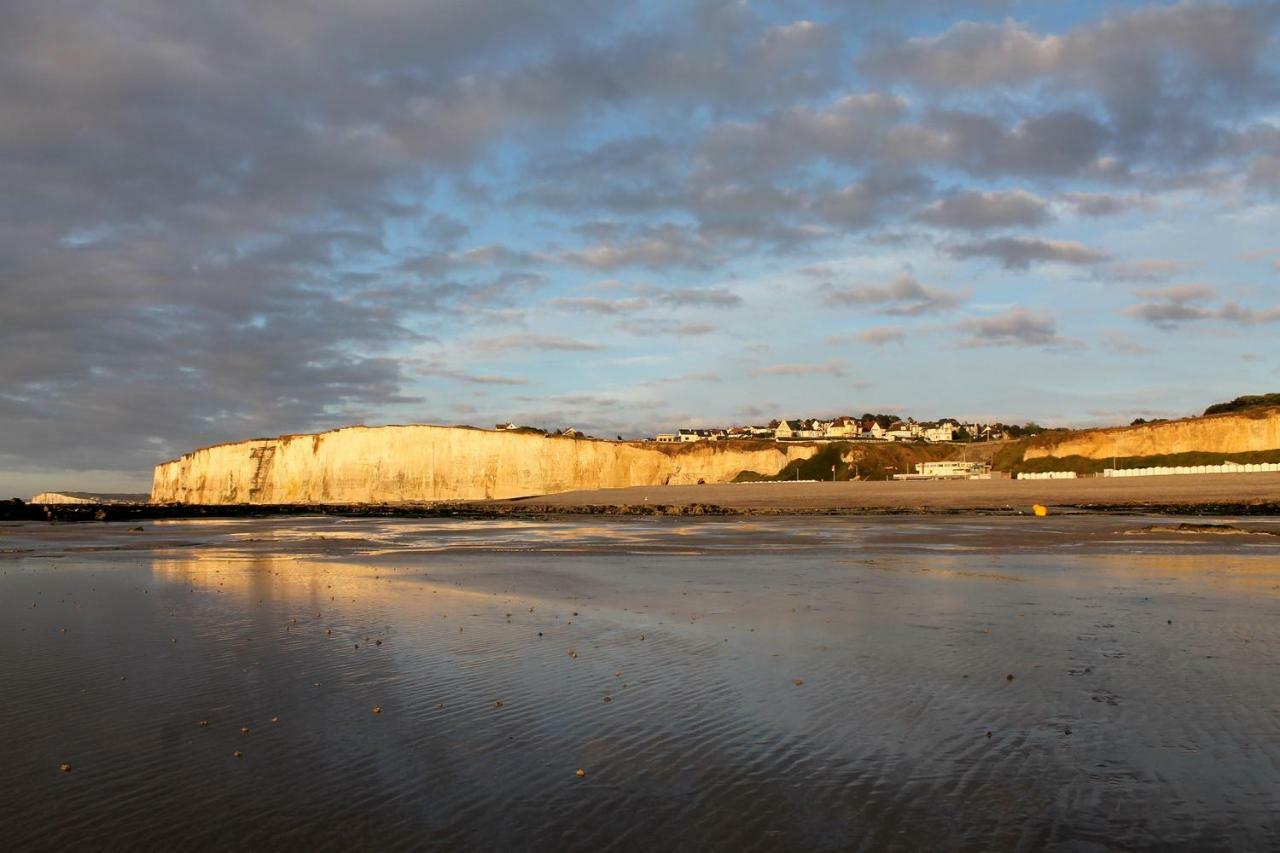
{"x": 648, "y": 327}
{"x": 1170, "y": 307}
{"x": 1159, "y": 71}
{"x": 506, "y": 343}
{"x": 1167, "y": 315}
{"x": 597, "y": 305}
{"x": 978, "y": 211}
{"x": 1017, "y": 327}
{"x": 850, "y": 130}
{"x": 1021, "y": 252}
{"x": 1103, "y": 204}
{"x": 1232, "y": 312}
{"x": 1060, "y": 142}
{"x": 713, "y": 297}
{"x": 1265, "y": 171}
{"x": 652, "y": 247}
{"x": 1222, "y": 42}
{"x": 865, "y": 203}
{"x": 904, "y": 296}
{"x": 459, "y": 375}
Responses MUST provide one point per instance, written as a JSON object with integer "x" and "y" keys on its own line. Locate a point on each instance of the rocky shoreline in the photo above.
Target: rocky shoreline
{"x": 64, "y": 513}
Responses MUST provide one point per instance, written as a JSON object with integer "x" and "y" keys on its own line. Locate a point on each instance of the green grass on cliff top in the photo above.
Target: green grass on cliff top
{"x": 1085, "y": 465}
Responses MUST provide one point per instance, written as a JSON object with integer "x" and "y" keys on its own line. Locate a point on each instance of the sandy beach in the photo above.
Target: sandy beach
{"x": 888, "y": 683}
{"x": 1190, "y": 491}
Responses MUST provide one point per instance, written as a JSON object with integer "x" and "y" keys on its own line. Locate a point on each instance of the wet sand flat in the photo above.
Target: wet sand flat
{"x": 727, "y": 683}
{"x": 1188, "y": 490}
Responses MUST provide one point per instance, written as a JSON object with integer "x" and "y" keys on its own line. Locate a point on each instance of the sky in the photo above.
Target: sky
{"x": 230, "y": 220}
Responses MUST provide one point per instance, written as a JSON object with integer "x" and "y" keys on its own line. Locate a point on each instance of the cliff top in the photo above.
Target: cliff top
{"x": 670, "y": 449}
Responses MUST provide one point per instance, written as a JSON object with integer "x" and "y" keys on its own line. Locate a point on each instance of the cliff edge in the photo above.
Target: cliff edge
{"x": 395, "y": 464}
{"x": 1236, "y": 432}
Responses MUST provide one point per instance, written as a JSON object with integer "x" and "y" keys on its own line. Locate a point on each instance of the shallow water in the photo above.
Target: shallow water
{"x": 772, "y": 684}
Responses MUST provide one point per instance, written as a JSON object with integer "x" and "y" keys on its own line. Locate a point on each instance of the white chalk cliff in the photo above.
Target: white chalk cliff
{"x": 429, "y": 463}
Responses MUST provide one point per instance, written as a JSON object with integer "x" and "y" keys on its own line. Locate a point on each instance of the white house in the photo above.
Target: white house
{"x": 944, "y": 431}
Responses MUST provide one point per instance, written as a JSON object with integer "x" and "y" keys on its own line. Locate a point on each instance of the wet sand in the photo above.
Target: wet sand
{"x": 1209, "y": 492}
{"x": 836, "y": 683}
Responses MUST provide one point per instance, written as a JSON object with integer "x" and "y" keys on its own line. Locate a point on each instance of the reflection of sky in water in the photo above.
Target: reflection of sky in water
{"x": 1161, "y": 664}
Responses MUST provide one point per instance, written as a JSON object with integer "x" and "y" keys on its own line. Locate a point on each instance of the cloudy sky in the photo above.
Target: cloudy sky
{"x": 235, "y": 219}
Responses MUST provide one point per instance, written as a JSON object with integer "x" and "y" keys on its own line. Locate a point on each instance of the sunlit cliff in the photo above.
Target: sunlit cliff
{"x": 1238, "y": 432}
{"x": 426, "y": 463}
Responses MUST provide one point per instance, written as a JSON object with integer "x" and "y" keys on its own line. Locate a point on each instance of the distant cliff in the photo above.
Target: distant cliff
{"x": 426, "y": 463}
{"x": 1237, "y": 432}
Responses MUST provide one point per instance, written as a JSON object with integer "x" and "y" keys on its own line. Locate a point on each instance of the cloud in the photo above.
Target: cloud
{"x": 881, "y": 335}
{"x": 979, "y": 211}
{"x": 1170, "y": 307}
{"x": 654, "y": 247}
{"x": 1158, "y": 73}
{"x": 1121, "y": 343}
{"x": 830, "y": 367}
{"x": 506, "y": 343}
{"x": 1178, "y": 292}
{"x": 1219, "y": 42}
{"x": 1022, "y": 252}
{"x": 596, "y": 305}
{"x": 1233, "y": 312}
{"x": 275, "y": 209}
{"x": 647, "y": 327}
{"x": 1144, "y": 270}
{"x": 1104, "y": 204}
{"x": 903, "y": 297}
{"x": 693, "y": 297}
{"x": 468, "y": 377}
{"x": 1017, "y": 327}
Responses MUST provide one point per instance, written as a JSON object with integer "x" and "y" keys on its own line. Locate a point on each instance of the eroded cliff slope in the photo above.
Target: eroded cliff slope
{"x": 1238, "y": 432}
{"x": 427, "y": 463}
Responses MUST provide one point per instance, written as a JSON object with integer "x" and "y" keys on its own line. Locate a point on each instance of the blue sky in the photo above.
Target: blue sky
{"x": 230, "y": 222}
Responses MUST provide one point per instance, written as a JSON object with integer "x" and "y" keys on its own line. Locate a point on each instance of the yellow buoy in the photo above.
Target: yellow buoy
{"x": 1040, "y": 510}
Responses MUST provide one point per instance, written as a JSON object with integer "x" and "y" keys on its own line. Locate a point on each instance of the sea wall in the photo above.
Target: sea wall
{"x": 1237, "y": 432}
{"x": 428, "y": 463}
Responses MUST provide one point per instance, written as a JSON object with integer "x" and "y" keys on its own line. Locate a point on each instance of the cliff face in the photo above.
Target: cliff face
{"x": 425, "y": 463}
{"x": 1238, "y": 432}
